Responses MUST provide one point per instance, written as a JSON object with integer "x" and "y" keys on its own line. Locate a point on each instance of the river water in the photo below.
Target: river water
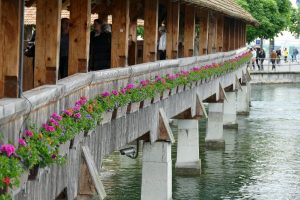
{"x": 261, "y": 159}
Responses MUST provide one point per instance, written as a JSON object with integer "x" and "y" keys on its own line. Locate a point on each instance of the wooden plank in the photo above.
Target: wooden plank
{"x": 93, "y": 172}
{"x": 232, "y": 34}
{"x": 120, "y": 33}
{"x": 200, "y": 108}
{"x": 226, "y": 39}
{"x": 172, "y": 29}
{"x": 10, "y": 45}
{"x": 164, "y": 130}
{"x": 150, "y": 32}
{"x": 220, "y": 33}
{"x": 47, "y": 45}
{"x": 132, "y": 46}
{"x": 79, "y": 36}
{"x": 189, "y": 31}
{"x": 211, "y": 33}
{"x": 203, "y": 45}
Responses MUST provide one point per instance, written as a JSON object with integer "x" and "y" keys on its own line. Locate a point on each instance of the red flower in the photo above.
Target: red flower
{"x": 6, "y": 181}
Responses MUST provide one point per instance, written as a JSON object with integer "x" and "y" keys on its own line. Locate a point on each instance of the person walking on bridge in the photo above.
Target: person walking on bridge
{"x": 262, "y": 56}
{"x": 285, "y": 54}
{"x": 253, "y": 59}
{"x": 162, "y": 43}
{"x": 273, "y": 59}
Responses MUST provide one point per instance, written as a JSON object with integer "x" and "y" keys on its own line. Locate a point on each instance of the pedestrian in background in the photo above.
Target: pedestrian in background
{"x": 278, "y": 53}
{"x": 162, "y": 43}
{"x": 273, "y": 59}
{"x": 294, "y": 56}
{"x": 262, "y": 56}
{"x": 253, "y": 59}
{"x": 285, "y": 54}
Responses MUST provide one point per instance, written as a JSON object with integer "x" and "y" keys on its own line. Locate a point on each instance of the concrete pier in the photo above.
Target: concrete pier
{"x": 243, "y": 100}
{"x": 230, "y": 109}
{"x": 157, "y": 171}
{"x": 214, "y": 132}
{"x": 188, "y": 162}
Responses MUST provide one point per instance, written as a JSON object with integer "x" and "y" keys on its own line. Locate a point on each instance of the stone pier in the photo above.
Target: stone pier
{"x": 230, "y": 109}
{"x": 243, "y": 100}
{"x": 157, "y": 171}
{"x": 214, "y": 132}
{"x": 188, "y": 162}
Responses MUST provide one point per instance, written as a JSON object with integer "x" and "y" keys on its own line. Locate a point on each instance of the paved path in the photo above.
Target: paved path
{"x": 282, "y": 67}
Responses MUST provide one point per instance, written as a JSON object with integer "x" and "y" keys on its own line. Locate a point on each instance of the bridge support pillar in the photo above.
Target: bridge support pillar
{"x": 188, "y": 162}
{"x": 243, "y": 100}
{"x": 157, "y": 171}
{"x": 230, "y": 109}
{"x": 214, "y": 132}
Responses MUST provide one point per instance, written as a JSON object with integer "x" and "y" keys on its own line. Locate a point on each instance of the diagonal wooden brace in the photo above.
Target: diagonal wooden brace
{"x": 238, "y": 85}
{"x": 200, "y": 109}
{"x": 164, "y": 130}
{"x": 222, "y": 95}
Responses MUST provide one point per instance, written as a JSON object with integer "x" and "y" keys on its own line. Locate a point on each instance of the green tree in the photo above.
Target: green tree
{"x": 273, "y": 15}
{"x": 295, "y": 21}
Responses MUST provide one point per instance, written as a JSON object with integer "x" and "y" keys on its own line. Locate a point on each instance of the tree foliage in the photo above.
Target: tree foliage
{"x": 295, "y": 21}
{"x": 273, "y": 15}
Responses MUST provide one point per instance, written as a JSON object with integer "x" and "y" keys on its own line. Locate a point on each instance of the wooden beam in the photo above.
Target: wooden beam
{"x": 237, "y": 31}
{"x": 150, "y": 30}
{"x": 9, "y": 47}
{"x": 231, "y": 34}
{"x": 132, "y": 48}
{"x": 220, "y": 33}
{"x": 200, "y": 109}
{"x": 164, "y": 130}
{"x": 120, "y": 33}
{"x": 211, "y": 47}
{"x": 226, "y": 40}
{"x": 47, "y": 45}
{"x": 172, "y": 29}
{"x": 79, "y": 36}
{"x": 189, "y": 31}
{"x": 203, "y": 33}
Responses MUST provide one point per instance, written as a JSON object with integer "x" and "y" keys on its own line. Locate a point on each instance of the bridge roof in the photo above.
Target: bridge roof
{"x": 228, "y": 7}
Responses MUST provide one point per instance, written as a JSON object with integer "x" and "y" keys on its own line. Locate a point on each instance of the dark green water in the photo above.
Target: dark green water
{"x": 261, "y": 160}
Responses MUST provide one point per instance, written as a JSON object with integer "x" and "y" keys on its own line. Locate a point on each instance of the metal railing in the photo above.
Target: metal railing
{"x": 281, "y": 65}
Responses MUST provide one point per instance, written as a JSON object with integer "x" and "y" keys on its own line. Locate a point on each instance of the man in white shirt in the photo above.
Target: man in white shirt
{"x": 162, "y": 43}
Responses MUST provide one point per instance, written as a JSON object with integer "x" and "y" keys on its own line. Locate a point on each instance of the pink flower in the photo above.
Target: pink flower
{"x": 144, "y": 82}
{"x": 130, "y": 86}
{"x": 68, "y": 112}
{"x": 22, "y": 142}
{"x": 105, "y": 94}
{"x": 8, "y": 149}
{"x": 48, "y": 128}
{"x": 28, "y": 133}
{"x": 158, "y": 78}
{"x": 56, "y": 116}
{"x": 115, "y": 92}
{"x": 196, "y": 68}
{"x": 77, "y": 115}
{"x": 171, "y": 76}
{"x": 77, "y": 107}
{"x": 123, "y": 90}
{"x": 53, "y": 122}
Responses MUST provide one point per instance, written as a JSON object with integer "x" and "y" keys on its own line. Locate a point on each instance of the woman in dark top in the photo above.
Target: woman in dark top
{"x": 100, "y": 48}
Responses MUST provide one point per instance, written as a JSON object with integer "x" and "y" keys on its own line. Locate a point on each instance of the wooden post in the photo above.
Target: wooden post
{"x": 189, "y": 30}
{"x": 237, "y": 31}
{"x": 172, "y": 29}
{"x": 220, "y": 33}
{"x": 132, "y": 48}
{"x": 47, "y": 45}
{"x": 79, "y": 37}
{"x": 203, "y": 33}
{"x": 232, "y": 34}
{"x": 150, "y": 32}
{"x": 226, "y": 40}
{"x": 211, "y": 47}
{"x": 120, "y": 33}
{"x": 9, "y": 47}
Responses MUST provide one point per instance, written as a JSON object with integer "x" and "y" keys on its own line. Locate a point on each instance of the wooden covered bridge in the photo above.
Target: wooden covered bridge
{"x": 211, "y": 34}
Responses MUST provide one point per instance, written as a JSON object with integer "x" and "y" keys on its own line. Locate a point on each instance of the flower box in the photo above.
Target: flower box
{"x": 133, "y": 107}
{"x": 76, "y": 140}
{"x": 173, "y": 91}
{"x": 146, "y": 103}
{"x": 22, "y": 179}
{"x": 33, "y": 173}
{"x": 64, "y": 148}
{"x": 165, "y": 94}
{"x": 119, "y": 112}
{"x": 193, "y": 85}
{"x": 156, "y": 98}
{"x": 198, "y": 83}
{"x": 106, "y": 117}
{"x": 180, "y": 88}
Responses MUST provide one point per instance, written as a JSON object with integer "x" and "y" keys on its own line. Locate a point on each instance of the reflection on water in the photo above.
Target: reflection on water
{"x": 261, "y": 160}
